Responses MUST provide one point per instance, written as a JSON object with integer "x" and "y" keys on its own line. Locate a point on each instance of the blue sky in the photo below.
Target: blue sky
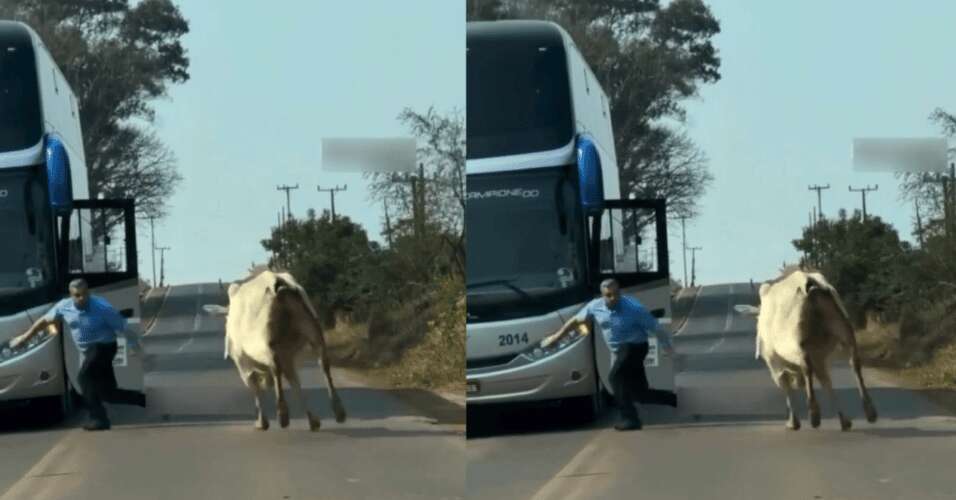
{"x": 267, "y": 84}
{"x": 800, "y": 81}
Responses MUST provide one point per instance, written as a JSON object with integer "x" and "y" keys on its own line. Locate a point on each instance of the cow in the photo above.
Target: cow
{"x": 269, "y": 322}
{"x": 801, "y": 321}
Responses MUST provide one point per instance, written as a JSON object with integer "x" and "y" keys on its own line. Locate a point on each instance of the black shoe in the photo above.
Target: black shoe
{"x": 629, "y": 424}
{"x": 141, "y": 400}
{"x": 673, "y": 401}
{"x": 98, "y": 425}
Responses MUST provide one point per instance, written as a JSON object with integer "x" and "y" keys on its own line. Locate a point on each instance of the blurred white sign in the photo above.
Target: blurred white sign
{"x": 899, "y": 154}
{"x": 363, "y": 155}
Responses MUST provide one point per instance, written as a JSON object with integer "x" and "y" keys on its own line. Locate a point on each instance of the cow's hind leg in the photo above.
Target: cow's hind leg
{"x": 282, "y": 407}
{"x": 337, "y": 407}
{"x": 813, "y": 406}
{"x": 786, "y": 383}
{"x": 255, "y": 383}
{"x": 823, "y": 375}
{"x": 293, "y": 377}
{"x": 868, "y": 409}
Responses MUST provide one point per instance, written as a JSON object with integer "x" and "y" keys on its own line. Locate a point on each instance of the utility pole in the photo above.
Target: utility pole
{"x": 683, "y": 245}
{"x": 693, "y": 265}
{"x": 162, "y": 265}
{"x": 152, "y": 243}
{"x": 288, "y": 202}
{"x": 919, "y": 224}
{"x": 332, "y": 192}
{"x": 819, "y": 197}
{"x": 863, "y": 192}
{"x": 388, "y": 225}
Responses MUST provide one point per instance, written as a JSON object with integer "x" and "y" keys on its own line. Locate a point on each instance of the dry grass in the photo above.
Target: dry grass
{"x": 420, "y": 344}
{"x": 921, "y": 354}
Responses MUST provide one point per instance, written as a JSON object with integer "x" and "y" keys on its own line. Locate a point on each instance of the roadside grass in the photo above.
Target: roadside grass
{"x": 920, "y": 350}
{"x": 419, "y": 344}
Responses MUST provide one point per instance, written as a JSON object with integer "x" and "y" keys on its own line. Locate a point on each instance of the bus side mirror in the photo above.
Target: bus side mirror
{"x": 590, "y": 176}
{"x": 58, "y": 176}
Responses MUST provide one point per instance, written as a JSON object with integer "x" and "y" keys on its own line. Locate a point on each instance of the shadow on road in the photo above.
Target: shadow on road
{"x": 549, "y": 417}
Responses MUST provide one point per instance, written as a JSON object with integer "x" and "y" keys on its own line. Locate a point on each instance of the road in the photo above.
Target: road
{"x": 727, "y": 439}
{"x": 196, "y": 438}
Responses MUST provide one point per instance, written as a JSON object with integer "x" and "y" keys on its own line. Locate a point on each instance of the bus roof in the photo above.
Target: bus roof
{"x": 532, "y": 32}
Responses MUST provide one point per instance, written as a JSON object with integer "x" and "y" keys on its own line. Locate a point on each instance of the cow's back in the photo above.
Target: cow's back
{"x": 247, "y": 325}
{"x": 779, "y": 323}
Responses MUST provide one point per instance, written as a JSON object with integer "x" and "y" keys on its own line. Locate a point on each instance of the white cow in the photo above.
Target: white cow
{"x": 269, "y": 322}
{"x": 800, "y": 322}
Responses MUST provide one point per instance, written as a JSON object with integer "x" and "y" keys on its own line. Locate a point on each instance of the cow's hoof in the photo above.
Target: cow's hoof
{"x": 284, "y": 419}
{"x": 870, "y": 412}
{"x": 815, "y": 420}
{"x": 845, "y": 423}
{"x": 262, "y": 425}
{"x": 314, "y": 423}
{"x": 793, "y": 425}
{"x": 339, "y": 412}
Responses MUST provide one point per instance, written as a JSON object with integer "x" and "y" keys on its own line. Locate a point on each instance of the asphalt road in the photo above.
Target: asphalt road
{"x": 196, "y": 438}
{"x": 726, "y": 441}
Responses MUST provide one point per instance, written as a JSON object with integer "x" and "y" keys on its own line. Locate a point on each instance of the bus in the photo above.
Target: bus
{"x": 51, "y": 232}
{"x": 546, "y": 222}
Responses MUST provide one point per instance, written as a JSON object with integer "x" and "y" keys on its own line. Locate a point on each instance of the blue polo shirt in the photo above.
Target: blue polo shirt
{"x": 628, "y": 323}
{"x": 98, "y": 323}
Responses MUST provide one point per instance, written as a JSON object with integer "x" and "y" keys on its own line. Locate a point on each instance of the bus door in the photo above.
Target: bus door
{"x": 101, "y": 249}
{"x": 629, "y": 244}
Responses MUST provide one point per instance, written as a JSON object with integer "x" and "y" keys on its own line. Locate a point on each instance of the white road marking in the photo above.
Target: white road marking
{"x": 727, "y": 323}
{"x": 198, "y": 318}
{"x": 689, "y": 312}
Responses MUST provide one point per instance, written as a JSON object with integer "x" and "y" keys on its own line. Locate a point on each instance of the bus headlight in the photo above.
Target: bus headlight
{"x": 537, "y": 352}
{"x": 7, "y": 353}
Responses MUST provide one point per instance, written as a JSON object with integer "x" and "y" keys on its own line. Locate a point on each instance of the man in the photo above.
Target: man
{"x": 626, "y": 324}
{"x": 94, "y": 324}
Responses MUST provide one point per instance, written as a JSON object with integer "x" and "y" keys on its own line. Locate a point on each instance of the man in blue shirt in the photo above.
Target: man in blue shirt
{"x": 94, "y": 324}
{"x": 625, "y": 323}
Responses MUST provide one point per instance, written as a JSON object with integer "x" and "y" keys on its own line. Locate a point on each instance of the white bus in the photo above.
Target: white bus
{"x": 50, "y": 232}
{"x": 544, "y": 220}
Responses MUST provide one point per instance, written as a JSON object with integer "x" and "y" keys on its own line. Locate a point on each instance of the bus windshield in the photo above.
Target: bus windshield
{"x": 525, "y": 241}
{"x": 20, "y": 124}
{"x": 26, "y": 228}
{"x": 518, "y": 98}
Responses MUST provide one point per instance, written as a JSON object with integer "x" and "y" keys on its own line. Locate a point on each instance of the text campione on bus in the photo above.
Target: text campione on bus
{"x": 51, "y": 231}
{"x": 544, "y": 218}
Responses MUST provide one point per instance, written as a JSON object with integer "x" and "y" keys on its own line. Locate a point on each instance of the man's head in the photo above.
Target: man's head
{"x": 611, "y": 292}
{"x": 80, "y": 293}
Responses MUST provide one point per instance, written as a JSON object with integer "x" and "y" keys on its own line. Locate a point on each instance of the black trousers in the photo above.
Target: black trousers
{"x": 629, "y": 381}
{"x": 98, "y": 382}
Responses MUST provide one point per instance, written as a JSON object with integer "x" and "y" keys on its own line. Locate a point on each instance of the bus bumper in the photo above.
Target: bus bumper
{"x": 37, "y": 373}
{"x": 566, "y": 374}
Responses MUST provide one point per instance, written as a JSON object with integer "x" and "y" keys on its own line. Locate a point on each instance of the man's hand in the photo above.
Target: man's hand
{"x": 669, "y": 351}
{"x": 17, "y": 341}
{"x": 551, "y": 339}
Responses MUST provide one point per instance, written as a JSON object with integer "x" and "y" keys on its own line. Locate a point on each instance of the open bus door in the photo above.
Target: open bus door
{"x": 100, "y": 247}
{"x": 629, "y": 244}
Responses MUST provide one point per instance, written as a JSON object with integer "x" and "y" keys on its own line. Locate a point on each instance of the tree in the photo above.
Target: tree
{"x": 926, "y": 190}
{"x": 649, "y": 59}
{"x": 118, "y": 58}
{"x": 329, "y": 257}
{"x": 862, "y": 258}
{"x": 441, "y": 202}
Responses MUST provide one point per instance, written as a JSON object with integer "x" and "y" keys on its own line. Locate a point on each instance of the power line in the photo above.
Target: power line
{"x": 332, "y": 192}
{"x": 818, "y": 189}
{"x": 863, "y": 192}
{"x": 288, "y": 202}
{"x": 693, "y": 264}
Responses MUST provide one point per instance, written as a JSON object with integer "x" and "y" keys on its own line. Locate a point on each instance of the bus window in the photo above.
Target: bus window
{"x": 20, "y": 124}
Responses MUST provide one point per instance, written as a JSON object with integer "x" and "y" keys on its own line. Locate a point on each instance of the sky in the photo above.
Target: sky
{"x": 267, "y": 84}
{"x": 799, "y": 81}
